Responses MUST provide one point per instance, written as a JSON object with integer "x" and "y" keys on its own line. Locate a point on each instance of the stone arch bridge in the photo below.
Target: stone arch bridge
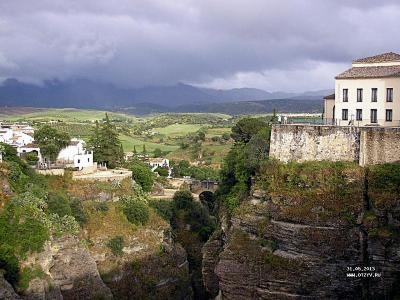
{"x": 200, "y": 186}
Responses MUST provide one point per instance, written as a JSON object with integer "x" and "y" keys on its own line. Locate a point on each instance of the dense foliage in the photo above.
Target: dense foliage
{"x": 142, "y": 174}
{"x": 251, "y": 148}
{"x": 136, "y": 210}
{"x": 31, "y": 215}
{"x": 116, "y": 244}
{"x": 183, "y": 168}
{"x": 51, "y": 141}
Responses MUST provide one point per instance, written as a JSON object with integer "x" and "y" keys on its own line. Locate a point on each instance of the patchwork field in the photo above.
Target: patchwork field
{"x": 171, "y": 133}
{"x": 177, "y": 130}
{"x": 64, "y": 115}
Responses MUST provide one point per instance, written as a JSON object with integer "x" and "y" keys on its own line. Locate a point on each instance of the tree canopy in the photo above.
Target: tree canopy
{"x": 142, "y": 174}
{"x": 51, "y": 141}
{"x": 106, "y": 145}
{"x": 246, "y": 128}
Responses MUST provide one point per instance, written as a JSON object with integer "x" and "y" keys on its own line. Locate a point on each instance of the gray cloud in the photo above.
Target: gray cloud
{"x": 271, "y": 44}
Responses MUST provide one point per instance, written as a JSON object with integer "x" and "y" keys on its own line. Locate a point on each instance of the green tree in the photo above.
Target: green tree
{"x": 106, "y": 144}
{"x": 51, "y": 141}
{"x": 142, "y": 174}
{"x": 157, "y": 152}
{"x": 243, "y": 160}
{"x": 246, "y": 128}
{"x": 136, "y": 210}
{"x": 162, "y": 171}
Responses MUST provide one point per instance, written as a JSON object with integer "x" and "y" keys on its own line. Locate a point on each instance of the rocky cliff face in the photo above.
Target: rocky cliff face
{"x": 70, "y": 273}
{"x": 302, "y": 230}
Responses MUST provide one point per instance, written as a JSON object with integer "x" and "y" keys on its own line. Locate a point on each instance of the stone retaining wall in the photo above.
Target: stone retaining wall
{"x": 366, "y": 145}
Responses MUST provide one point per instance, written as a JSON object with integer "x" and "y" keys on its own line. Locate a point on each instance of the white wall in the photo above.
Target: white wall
{"x": 28, "y": 150}
{"x": 83, "y": 160}
{"x": 23, "y": 139}
{"x": 366, "y": 105}
{"x": 67, "y": 154}
{"x": 6, "y": 137}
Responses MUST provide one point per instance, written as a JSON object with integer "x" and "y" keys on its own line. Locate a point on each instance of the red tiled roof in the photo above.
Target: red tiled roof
{"x": 30, "y": 145}
{"x": 384, "y": 57}
{"x": 370, "y": 72}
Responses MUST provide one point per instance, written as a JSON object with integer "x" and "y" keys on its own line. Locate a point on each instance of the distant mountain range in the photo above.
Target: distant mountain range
{"x": 84, "y": 93}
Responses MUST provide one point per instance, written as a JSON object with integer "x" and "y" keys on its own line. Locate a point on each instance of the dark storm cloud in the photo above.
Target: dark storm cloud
{"x": 297, "y": 44}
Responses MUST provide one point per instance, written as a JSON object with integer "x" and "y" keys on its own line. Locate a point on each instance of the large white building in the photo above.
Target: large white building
{"x": 366, "y": 94}
{"x": 76, "y": 154}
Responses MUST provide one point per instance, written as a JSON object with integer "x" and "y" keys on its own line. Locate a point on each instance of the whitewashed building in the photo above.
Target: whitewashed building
{"x": 83, "y": 160}
{"x": 22, "y": 139}
{"x": 76, "y": 155}
{"x": 30, "y": 148}
{"x": 367, "y": 94}
{"x": 75, "y": 147}
{"x": 158, "y": 162}
{"x": 6, "y": 135}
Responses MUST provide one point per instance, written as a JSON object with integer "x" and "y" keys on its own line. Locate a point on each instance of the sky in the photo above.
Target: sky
{"x": 275, "y": 45}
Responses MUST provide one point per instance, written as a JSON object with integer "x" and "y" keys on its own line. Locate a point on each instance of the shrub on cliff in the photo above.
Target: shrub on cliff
{"x": 142, "y": 174}
{"x": 116, "y": 244}
{"x": 135, "y": 210}
{"x": 243, "y": 161}
{"x": 383, "y": 184}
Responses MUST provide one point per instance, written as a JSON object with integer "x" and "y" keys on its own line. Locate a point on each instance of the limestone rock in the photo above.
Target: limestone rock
{"x": 6, "y": 290}
{"x": 72, "y": 273}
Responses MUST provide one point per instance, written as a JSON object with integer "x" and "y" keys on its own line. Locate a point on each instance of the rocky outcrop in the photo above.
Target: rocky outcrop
{"x": 161, "y": 275}
{"x": 6, "y": 290}
{"x": 310, "y": 242}
{"x": 71, "y": 273}
{"x": 211, "y": 251}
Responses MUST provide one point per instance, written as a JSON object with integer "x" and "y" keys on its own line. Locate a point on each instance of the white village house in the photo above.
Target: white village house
{"x": 75, "y": 154}
{"x": 366, "y": 94}
{"x": 20, "y": 136}
{"x": 158, "y": 162}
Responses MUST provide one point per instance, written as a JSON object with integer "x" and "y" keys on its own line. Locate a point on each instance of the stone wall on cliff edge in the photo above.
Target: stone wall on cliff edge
{"x": 379, "y": 145}
{"x": 310, "y": 142}
{"x": 365, "y": 145}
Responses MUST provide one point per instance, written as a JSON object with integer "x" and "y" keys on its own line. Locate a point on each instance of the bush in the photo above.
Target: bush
{"x": 9, "y": 263}
{"x": 102, "y": 206}
{"x": 183, "y": 199}
{"x": 78, "y": 211}
{"x": 136, "y": 211}
{"x": 59, "y": 204}
{"x": 142, "y": 174}
{"x": 32, "y": 158}
{"x": 27, "y": 275}
{"x": 116, "y": 245}
{"x": 162, "y": 171}
{"x": 163, "y": 208}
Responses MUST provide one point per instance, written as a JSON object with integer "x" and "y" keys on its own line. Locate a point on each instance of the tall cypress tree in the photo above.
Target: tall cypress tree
{"x": 106, "y": 144}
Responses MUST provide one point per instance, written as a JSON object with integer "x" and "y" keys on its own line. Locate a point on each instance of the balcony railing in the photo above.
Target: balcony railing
{"x": 363, "y": 123}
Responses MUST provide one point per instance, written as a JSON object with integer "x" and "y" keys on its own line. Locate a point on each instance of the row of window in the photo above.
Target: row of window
{"x": 373, "y": 115}
{"x": 374, "y": 95}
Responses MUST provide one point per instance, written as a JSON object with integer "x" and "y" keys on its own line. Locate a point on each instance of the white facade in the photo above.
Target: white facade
{"x": 28, "y": 149}
{"x": 159, "y": 162}
{"x": 16, "y": 135}
{"x": 6, "y": 135}
{"x": 67, "y": 154}
{"x": 22, "y": 139}
{"x": 368, "y": 94}
{"x": 83, "y": 160}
